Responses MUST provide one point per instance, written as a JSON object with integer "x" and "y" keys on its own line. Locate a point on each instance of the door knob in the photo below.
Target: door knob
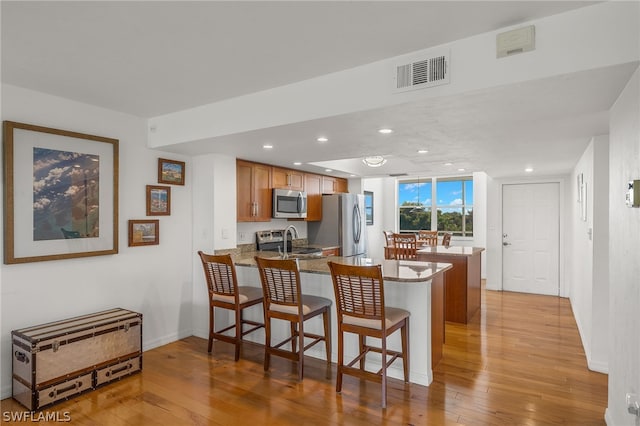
{"x": 506, "y": 244}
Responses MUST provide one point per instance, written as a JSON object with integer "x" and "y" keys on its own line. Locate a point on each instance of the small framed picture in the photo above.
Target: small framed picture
{"x": 171, "y": 172}
{"x": 158, "y": 200}
{"x": 144, "y": 232}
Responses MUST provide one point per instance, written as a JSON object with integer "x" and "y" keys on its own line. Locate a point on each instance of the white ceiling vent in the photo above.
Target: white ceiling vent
{"x": 427, "y": 71}
{"x": 515, "y": 41}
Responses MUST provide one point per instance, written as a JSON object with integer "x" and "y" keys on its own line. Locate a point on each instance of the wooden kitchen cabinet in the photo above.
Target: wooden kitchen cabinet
{"x": 287, "y": 179}
{"x": 313, "y": 187}
{"x": 331, "y": 251}
{"x": 334, "y": 185}
{"x": 253, "y": 187}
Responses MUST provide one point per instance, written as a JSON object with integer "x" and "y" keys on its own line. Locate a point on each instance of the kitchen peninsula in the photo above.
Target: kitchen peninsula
{"x": 412, "y": 285}
{"x": 463, "y": 281}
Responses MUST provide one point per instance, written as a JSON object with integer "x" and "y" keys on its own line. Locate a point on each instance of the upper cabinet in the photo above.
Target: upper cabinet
{"x": 313, "y": 185}
{"x": 255, "y": 182}
{"x": 333, "y": 185}
{"x": 254, "y": 200}
{"x": 287, "y": 179}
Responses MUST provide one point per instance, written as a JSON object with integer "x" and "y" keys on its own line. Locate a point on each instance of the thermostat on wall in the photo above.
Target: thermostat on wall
{"x": 633, "y": 194}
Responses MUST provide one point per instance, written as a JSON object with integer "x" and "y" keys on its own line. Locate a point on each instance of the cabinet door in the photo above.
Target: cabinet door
{"x": 287, "y": 179}
{"x": 342, "y": 185}
{"x": 296, "y": 180}
{"x": 313, "y": 185}
{"x": 244, "y": 183}
{"x": 328, "y": 185}
{"x": 262, "y": 195}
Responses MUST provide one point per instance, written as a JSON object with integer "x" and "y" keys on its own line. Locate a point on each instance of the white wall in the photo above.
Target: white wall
{"x": 153, "y": 280}
{"x": 588, "y": 253}
{"x": 480, "y": 182}
{"x": 375, "y": 237}
{"x": 624, "y": 254}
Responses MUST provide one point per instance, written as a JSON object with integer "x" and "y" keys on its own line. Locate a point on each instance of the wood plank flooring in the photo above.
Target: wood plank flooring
{"x": 518, "y": 362}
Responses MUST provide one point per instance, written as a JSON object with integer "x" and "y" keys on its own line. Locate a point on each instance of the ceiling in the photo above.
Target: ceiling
{"x": 154, "y": 58}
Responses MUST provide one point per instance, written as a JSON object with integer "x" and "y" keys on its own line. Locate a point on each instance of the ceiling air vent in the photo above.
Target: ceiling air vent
{"x": 398, "y": 174}
{"x": 428, "y": 71}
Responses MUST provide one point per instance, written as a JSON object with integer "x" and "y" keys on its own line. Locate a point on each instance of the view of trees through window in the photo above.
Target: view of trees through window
{"x": 452, "y": 201}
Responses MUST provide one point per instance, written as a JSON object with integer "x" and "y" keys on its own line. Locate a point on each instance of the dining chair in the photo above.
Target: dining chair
{"x": 224, "y": 292}
{"x": 361, "y": 310}
{"x": 389, "y": 252}
{"x": 446, "y": 239}
{"x": 283, "y": 299}
{"x": 428, "y": 237}
{"x": 405, "y": 246}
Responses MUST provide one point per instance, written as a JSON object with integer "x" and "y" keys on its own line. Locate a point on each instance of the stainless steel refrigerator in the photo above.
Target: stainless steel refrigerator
{"x": 343, "y": 224}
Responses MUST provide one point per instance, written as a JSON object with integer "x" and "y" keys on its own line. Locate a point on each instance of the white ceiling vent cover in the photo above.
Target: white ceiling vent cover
{"x": 431, "y": 69}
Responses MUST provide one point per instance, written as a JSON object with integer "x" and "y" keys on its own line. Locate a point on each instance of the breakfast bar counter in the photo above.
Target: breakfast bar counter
{"x": 412, "y": 285}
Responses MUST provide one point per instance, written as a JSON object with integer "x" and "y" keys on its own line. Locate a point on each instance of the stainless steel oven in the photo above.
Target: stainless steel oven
{"x": 289, "y": 204}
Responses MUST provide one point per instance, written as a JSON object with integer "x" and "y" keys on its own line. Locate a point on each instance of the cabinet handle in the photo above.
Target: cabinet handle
{"x": 289, "y": 180}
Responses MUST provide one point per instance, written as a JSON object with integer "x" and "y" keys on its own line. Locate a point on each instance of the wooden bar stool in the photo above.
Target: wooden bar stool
{"x": 359, "y": 292}
{"x": 428, "y": 237}
{"x": 225, "y": 293}
{"x": 405, "y": 246}
{"x": 283, "y": 299}
{"x": 389, "y": 251}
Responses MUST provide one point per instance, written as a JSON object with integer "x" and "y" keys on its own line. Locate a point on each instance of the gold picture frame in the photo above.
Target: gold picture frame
{"x": 60, "y": 194}
{"x": 158, "y": 200}
{"x": 171, "y": 172}
{"x": 144, "y": 232}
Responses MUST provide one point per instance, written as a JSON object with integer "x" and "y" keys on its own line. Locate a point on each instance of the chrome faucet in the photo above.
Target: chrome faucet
{"x": 294, "y": 234}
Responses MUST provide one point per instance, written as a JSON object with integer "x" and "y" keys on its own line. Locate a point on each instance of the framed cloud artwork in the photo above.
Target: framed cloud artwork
{"x": 61, "y": 194}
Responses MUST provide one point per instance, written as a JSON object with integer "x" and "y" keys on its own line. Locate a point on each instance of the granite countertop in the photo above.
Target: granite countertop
{"x": 451, "y": 250}
{"x": 392, "y": 270}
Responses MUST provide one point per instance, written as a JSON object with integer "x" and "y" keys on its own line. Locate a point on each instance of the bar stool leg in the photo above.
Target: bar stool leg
{"x": 211, "y": 325}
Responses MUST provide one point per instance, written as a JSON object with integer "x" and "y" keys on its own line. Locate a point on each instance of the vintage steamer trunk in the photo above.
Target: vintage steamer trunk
{"x": 55, "y": 361}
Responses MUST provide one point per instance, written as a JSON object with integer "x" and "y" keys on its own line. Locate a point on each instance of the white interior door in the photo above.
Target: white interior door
{"x": 531, "y": 238}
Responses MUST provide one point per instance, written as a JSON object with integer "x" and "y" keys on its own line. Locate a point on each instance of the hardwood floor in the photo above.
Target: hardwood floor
{"x": 518, "y": 362}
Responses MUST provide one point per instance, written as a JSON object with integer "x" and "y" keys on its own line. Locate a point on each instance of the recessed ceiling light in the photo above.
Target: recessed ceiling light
{"x": 448, "y": 164}
{"x": 267, "y": 146}
{"x": 322, "y": 139}
{"x": 423, "y": 151}
{"x": 461, "y": 169}
{"x": 352, "y": 175}
{"x": 297, "y": 163}
{"x": 528, "y": 169}
{"x": 385, "y": 131}
{"x": 328, "y": 170}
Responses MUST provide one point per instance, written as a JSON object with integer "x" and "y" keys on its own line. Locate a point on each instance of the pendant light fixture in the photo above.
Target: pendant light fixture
{"x": 419, "y": 207}
{"x": 374, "y": 161}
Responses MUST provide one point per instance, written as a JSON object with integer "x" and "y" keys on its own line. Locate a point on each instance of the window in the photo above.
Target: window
{"x": 452, "y": 201}
{"x": 455, "y": 206}
{"x": 414, "y": 201}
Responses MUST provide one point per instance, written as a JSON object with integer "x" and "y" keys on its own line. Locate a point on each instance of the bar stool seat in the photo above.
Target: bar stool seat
{"x": 392, "y": 317}
{"x": 245, "y": 294}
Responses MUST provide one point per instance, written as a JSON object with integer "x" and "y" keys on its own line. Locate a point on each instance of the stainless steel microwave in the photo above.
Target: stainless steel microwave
{"x": 289, "y": 204}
